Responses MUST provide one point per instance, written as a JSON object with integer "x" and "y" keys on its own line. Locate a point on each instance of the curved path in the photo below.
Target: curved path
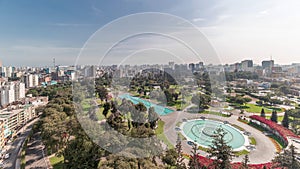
{"x": 265, "y": 149}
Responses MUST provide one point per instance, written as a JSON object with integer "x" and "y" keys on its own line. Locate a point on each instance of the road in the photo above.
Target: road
{"x": 265, "y": 149}
{"x": 15, "y": 147}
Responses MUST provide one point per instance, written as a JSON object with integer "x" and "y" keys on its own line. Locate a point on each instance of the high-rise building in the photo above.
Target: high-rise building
{"x": 7, "y": 94}
{"x": 171, "y": 65}
{"x": 19, "y": 90}
{"x": 35, "y": 80}
{"x": 90, "y": 71}
{"x": 3, "y": 97}
{"x": 28, "y": 80}
{"x": 247, "y": 65}
{"x": 267, "y": 64}
{"x": 11, "y": 92}
{"x": 9, "y": 71}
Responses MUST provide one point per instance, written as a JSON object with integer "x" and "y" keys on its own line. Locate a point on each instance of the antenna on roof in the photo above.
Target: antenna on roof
{"x": 271, "y": 56}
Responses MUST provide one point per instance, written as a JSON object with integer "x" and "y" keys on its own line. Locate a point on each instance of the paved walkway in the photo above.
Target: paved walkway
{"x": 265, "y": 149}
{"x": 35, "y": 157}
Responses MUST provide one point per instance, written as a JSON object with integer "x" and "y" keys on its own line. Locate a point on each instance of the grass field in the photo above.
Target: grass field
{"x": 56, "y": 162}
{"x": 86, "y": 105}
{"x": 252, "y": 140}
{"x": 257, "y": 109}
{"x": 279, "y": 118}
{"x": 99, "y": 114}
{"x": 214, "y": 113}
{"x": 160, "y": 134}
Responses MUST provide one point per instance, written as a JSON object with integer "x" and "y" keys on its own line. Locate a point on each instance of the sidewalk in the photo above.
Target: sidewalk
{"x": 35, "y": 156}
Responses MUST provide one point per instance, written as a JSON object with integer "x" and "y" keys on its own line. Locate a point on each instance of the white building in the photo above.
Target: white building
{"x": 35, "y": 80}
{"x": 3, "y": 100}
{"x": 19, "y": 90}
{"x": 247, "y": 65}
{"x": 9, "y": 71}
{"x": 31, "y": 80}
{"x": 28, "y": 80}
{"x": 11, "y": 92}
{"x": 7, "y": 94}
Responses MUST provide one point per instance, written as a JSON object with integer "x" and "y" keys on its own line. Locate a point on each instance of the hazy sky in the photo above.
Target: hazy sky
{"x": 32, "y": 32}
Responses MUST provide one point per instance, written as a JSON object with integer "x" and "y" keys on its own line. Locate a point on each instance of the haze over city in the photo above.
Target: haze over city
{"x": 33, "y": 32}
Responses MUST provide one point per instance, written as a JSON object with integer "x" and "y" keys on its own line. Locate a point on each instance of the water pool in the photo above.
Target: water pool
{"x": 161, "y": 110}
{"x": 202, "y": 132}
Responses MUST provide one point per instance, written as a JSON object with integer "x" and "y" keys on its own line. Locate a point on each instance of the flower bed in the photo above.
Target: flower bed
{"x": 275, "y": 128}
{"x": 209, "y": 164}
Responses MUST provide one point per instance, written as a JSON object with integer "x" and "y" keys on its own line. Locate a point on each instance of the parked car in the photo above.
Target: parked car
{"x": 6, "y": 156}
{"x": 190, "y": 143}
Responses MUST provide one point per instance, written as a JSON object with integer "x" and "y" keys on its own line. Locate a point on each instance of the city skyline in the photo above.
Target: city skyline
{"x": 237, "y": 30}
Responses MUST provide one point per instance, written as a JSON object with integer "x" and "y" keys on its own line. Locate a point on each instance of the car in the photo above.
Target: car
{"x": 190, "y": 143}
{"x": 6, "y": 156}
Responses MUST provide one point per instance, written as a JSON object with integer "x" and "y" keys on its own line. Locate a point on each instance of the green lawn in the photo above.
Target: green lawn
{"x": 86, "y": 105}
{"x": 238, "y": 127}
{"x": 240, "y": 153}
{"x": 279, "y": 118}
{"x": 99, "y": 114}
{"x": 160, "y": 134}
{"x": 257, "y": 109}
{"x": 57, "y": 162}
{"x": 214, "y": 113}
{"x": 252, "y": 140}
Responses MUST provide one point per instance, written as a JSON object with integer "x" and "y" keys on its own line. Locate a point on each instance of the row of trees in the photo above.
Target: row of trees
{"x": 201, "y": 100}
{"x": 290, "y": 116}
{"x": 230, "y": 76}
{"x": 62, "y": 133}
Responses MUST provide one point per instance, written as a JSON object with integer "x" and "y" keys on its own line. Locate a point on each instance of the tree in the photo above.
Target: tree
{"x": 262, "y": 113}
{"x": 168, "y": 96}
{"x": 179, "y": 162}
{"x": 106, "y": 107}
{"x": 245, "y": 162}
{"x": 259, "y": 102}
{"x": 285, "y": 121}
{"x": 202, "y": 100}
{"x": 220, "y": 151}
{"x": 287, "y": 159}
{"x": 194, "y": 161}
{"x": 274, "y": 116}
{"x": 152, "y": 117}
{"x": 138, "y": 115}
{"x": 81, "y": 153}
{"x": 170, "y": 157}
{"x": 295, "y": 114}
{"x": 141, "y": 107}
{"x": 102, "y": 92}
{"x": 122, "y": 162}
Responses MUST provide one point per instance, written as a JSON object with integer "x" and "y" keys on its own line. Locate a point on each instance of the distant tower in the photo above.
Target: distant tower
{"x": 54, "y": 62}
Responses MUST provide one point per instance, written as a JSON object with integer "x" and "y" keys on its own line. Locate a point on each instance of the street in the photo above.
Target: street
{"x": 15, "y": 147}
